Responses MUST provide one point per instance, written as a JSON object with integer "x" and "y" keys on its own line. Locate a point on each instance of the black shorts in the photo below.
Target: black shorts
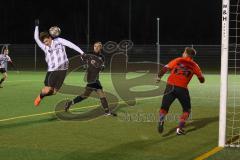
{"x": 173, "y": 92}
{"x": 96, "y": 85}
{"x": 3, "y": 70}
{"x": 55, "y": 79}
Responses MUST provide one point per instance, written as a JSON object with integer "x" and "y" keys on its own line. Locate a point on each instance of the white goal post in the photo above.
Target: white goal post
{"x": 224, "y": 73}
{"x": 229, "y": 113}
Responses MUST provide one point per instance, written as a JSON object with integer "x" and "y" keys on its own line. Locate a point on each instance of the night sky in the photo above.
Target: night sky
{"x": 181, "y": 22}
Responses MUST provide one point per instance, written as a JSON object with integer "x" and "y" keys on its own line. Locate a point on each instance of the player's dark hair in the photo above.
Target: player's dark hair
{"x": 3, "y": 49}
{"x": 44, "y": 35}
{"x": 98, "y": 42}
{"x": 190, "y": 51}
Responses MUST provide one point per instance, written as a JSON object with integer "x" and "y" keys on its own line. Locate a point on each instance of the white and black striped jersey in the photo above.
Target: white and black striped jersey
{"x": 4, "y": 59}
{"x": 55, "y": 55}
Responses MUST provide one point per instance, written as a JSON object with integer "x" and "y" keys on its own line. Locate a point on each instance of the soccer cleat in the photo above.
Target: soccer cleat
{"x": 180, "y": 131}
{"x": 37, "y": 101}
{"x": 160, "y": 126}
{"x": 110, "y": 114}
{"x": 67, "y": 106}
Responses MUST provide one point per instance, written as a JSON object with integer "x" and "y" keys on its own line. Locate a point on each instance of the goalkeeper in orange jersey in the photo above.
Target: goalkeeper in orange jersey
{"x": 182, "y": 70}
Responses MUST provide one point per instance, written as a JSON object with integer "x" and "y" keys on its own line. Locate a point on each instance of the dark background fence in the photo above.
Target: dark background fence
{"x": 31, "y": 57}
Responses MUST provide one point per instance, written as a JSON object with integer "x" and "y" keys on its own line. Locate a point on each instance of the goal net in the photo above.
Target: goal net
{"x": 229, "y": 126}
{"x": 233, "y": 105}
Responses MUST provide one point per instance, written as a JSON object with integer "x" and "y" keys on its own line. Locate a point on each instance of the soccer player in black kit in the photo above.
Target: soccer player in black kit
{"x": 95, "y": 64}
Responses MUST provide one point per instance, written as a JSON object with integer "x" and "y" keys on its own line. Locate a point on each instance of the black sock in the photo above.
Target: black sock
{"x": 2, "y": 80}
{"x": 77, "y": 100}
{"x": 105, "y": 105}
{"x": 42, "y": 95}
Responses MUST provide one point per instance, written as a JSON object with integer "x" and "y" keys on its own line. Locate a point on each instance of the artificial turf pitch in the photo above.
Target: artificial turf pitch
{"x": 45, "y": 137}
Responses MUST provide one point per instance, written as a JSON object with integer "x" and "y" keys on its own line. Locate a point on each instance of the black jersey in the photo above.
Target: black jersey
{"x": 95, "y": 64}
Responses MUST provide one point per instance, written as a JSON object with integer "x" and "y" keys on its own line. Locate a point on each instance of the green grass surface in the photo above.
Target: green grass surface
{"x": 226, "y": 154}
{"x": 45, "y": 138}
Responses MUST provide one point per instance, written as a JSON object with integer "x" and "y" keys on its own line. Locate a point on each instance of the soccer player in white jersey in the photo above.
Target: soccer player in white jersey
{"x": 56, "y": 58}
{"x": 4, "y": 59}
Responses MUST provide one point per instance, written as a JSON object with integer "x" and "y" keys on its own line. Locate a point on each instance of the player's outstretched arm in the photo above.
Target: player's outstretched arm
{"x": 161, "y": 73}
{"x": 199, "y": 74}
{"x": 9, "y": 59}
{"x": 12, "y": 64}
{"x": 36, "y": 35}
{"x": 167, "y": 67}
{"x": 71, "y": 45}
{"x": 201, "y": 79}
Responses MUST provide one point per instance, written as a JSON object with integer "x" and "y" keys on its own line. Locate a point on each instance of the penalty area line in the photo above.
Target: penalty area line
{"x": 86, "y": 107}
{"x": 41, "y": 114}
{"x": 209, "y": 153}
{"x": 52, "y": 112}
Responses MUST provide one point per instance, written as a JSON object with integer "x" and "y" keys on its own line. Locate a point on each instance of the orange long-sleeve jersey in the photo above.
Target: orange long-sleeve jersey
{"x": 182, "y": 70}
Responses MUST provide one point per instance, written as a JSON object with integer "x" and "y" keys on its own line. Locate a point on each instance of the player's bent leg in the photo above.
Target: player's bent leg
{"x": 55, "y": 91}
{"x": 104, "y": 103}
{"x": 78, "y": 99}
{"x": 182, "y": 120}
{"x": 3, "y": 79}
{"x": 46, "y": 91}
{"x": 101, "y": 93}
{"x": 5, "y": 75}
{"x": 184, "y": 99}
{"x": 162, "y": 114}
{"x": 167, "y": 100}
{"x": 83, "y": 96}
